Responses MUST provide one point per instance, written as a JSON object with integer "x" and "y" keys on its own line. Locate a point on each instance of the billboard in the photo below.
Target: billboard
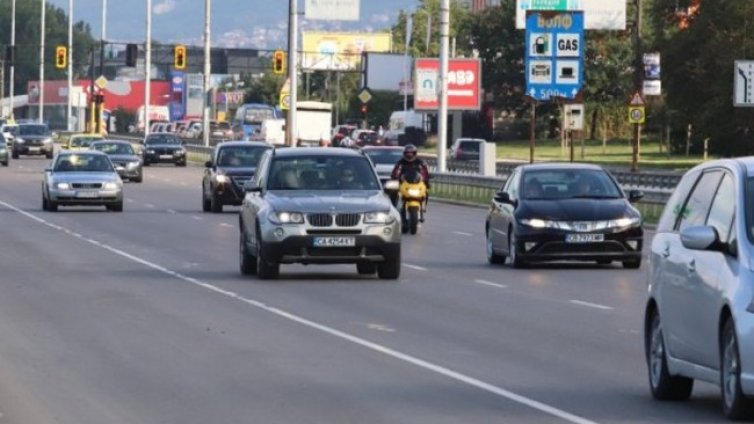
{"x": 333, "y": 10}
{"x": 177, "y": 103}
{"x": 385, "y": 71}
{"x": 464, "y": 84}
{"x": 340, "y": 51}
{"x": 598, "y": 14}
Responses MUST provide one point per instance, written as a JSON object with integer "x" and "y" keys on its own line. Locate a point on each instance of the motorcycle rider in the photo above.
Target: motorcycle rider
{"x": 411, "y": 160}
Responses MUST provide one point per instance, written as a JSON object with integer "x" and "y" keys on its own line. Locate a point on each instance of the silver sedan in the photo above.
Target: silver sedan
{"x": 82, "y": 179}
{"x": 699, "y": 318}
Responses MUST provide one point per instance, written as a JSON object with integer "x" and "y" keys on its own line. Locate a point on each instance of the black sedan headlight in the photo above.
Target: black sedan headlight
{"x": 589, "y": 226}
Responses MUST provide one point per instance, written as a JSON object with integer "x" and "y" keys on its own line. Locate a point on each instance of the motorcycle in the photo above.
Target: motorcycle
{"x": 413, "y": 197}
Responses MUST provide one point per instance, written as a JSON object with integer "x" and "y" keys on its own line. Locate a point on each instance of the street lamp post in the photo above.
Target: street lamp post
{"x": 148, "y": 68}
{"x": 207, "y": 71}
{"x": 442, "y": 85}
{"x": 42, "y": 63}
{"x": 12, "y": 77}
{"x": 293, "y": 71}
{"x": 69, "y": 106}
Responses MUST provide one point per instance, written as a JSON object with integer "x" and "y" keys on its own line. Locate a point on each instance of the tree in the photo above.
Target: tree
{"x": 264, "y": 89}
{"x": 428, "y": 11}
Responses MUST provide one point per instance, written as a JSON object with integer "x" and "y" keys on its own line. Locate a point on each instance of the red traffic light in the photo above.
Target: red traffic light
{"x": 364, "y": 109}
{"x": 278, "y": 62}
{"x": 61, "y": 57}
{"x": 179, "y": 60}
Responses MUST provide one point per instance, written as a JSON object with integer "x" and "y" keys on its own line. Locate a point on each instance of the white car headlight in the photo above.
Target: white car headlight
{"x": 280, "y": 218}
{"x": 133, "y": 164}
{"x": 20, "y": 141}
{"x": 378, "y": 218}
{"x": 150, "y": 151}
{"x": 110, "y": 186}
{"x": 221, "y": 178}
{"x": 539, "y": 223}
{"x": 63, "y": 186}
{"x": 625, "y": 222}
{"x": 47, "y": 141}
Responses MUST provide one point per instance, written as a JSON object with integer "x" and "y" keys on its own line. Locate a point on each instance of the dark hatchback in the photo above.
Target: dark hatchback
{"x": 560, "y": 212}
{"x": 163, "y": 148}
{"x": 233, "y": 164}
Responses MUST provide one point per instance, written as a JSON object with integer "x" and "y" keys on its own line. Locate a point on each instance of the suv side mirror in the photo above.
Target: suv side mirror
{"x": 48, "y": 168}
{"x": 503, "y": 197}
{"x": 635, "y": 195}
{"x": 208, "y": 164}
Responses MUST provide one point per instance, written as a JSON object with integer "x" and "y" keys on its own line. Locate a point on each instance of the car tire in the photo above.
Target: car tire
{"x": 248, "y": 263}
{"x": 663, "y": 385}
{"x": 265, "y": 270}
{"x": 513, "y": 258}
{"x": 180, "y": 164}
{"x": 736, "y": 406}
{"x": 391, "y": 268}
{"x": 146, "y": 162}
{"x": 5, "y": 163}
{"x": 139, "y": 179}
{"x": 216, "y": 206}
{"x": 52, "y": 206}
{"x": 366, "y": 268}
{"x": 632, "y": 264}
{"x": 48, "y": 155}
{"x": 45, "y": 205}
{"x": 14, "y": 155}
{"x": 115, "y": 207}
{"x": 206, "y": 203}
{"x": 413, "y": 219}
{"x": 492, "y": 257}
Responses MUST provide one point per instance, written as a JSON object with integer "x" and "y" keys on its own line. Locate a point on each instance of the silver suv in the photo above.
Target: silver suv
{"x": 318, "y": 206}
{"x": 699, "y": 318}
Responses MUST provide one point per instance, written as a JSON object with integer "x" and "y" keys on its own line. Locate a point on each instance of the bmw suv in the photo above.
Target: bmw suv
{"x": 233, "y": 164}
{"x": 318, "y": 206}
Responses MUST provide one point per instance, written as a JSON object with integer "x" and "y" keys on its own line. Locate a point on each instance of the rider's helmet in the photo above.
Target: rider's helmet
{"x": 410, "y": 152}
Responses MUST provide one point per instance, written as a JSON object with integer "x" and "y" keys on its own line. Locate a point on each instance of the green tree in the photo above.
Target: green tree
{"x": 428, "y": 11}
{"x": 264, "y": 89}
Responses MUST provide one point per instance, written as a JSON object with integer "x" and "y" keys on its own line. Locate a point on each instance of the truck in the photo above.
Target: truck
{"x": 314, "y": 123}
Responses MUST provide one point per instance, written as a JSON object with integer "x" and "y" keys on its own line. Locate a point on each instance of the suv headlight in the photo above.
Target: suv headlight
{"x": 110, "y": 186}
{"x": 20, "y": 140}
{"x": 180, "y": 151}
{"x": 133, "y": 164}
{"x": 221, "y": 178}
{"x": 63, "y": 186}
{"x": 280, "y": 218}
{"x": 150, "y": 151}
{"x": 378, "y": 218}
{"x": 47, "y": 141}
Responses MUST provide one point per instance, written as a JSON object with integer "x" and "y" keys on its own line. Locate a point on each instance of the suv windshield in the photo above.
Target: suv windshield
{"x": 83, "y": 163}
{"x": 384, "y": 157}
{"x": 163, "y": 139}
{"x": 553, "y": 184}
{"x": 240, "y": 156}
{"x": 322, "y": 173}
{"x": 114, "y": 148}
{"x": 33, "y": 130}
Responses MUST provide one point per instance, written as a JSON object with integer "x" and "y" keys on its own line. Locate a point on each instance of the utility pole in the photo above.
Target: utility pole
{"x": 12, "y": 78}
{"x": 638, "y": 76}
{"x": 147, "y": 68}
{"x": 293, "y": 71}
{"x": 409, "y": 31}
{"x": 442, "y": 83}
{"x": 42, "y": 63}
{"x": 69, "y": 105}
{"x": 207, "y": 72}
{"x": 102, "y": 38}
{"x": 2, "y": 86}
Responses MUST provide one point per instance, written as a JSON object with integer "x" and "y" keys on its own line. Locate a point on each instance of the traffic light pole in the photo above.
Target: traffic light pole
{"x": 147, "y": 68}
{"x": 293, "y": 71}
{"x": 12, "y": 76}
{"x": 42, "y": 64}
{"x": 69, "y": 106}
{"x": 207, "y": 71}
{"x": 638, "y": 83}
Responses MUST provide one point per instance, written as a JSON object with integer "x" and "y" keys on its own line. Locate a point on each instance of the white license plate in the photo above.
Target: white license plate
{"x": 584, "y": 238}
{"x": 166, "y": 156}
{"x": 34, "y": 149}
{"x": 87, "y": 194}
{"x": 334, "y": 241}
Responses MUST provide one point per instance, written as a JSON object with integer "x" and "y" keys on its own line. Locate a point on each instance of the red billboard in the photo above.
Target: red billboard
{"x": 464, "y": 84}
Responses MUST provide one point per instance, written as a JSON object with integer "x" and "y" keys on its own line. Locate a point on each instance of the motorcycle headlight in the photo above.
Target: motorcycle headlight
{"x": 222, "y": 179}
{"x": 281, "y": 218}
{"x": 63, "y": 186}
{"x": 378, "y": 218}
{"x": 414, "y": 192}
{"x": 110, "y": 186}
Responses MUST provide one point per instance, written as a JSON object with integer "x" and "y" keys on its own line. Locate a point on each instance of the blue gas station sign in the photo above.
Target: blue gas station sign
{"x": 554, "y": 59}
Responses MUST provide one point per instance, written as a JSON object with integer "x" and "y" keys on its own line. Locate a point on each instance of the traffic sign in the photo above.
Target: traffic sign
{"x": 365, "y": 95}
{"x": 285, "y": 101}
{"x": 743, "y": 83}
{"x": 101, "y": 82}
{"x": 636, "y": 114}
{"x": 554, "y": 61}
{"x": 636, "y": 100}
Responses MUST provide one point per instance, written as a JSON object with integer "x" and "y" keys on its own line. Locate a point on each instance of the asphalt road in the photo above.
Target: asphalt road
{"x": 143, "y": 317}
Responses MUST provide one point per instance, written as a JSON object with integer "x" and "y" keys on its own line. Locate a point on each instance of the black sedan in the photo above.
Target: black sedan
{"x": 233, "y": 164}
{"x": 556, "y": 212}
{"x": 163, "y": 148}
{"x": 123, "y": 157}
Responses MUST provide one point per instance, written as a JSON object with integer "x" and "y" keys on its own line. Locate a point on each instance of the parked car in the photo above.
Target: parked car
{"x": 82, "y": 179}
{"x": 32, "y": 139}
{"x": 124, "y": 158}
{"x": 467, "y": 148}
{"x": 194, "y": 130}
{"x": 4, "y": 155}
{"x": 318, "y": 206}
{"x": 163, "y": 148}
{"x": 232, "y": 165}
{"x": 81, "y": 141}
{"x": 699, "y": 317}
{"x": 558, "y": 212}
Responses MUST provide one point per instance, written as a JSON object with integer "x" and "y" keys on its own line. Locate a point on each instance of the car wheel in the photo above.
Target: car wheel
{"x": 52, "y": 206}
{"x": 632, "y": 264}
{"x": 138, "y": 179}
{"x": 115, "y": 207}
{"x": 513, "y": 258}
{"x": 366, "y": 268}
{"x": 215, "y": 204}
{"x": 413, "y": 219}
{"x": 48, "y": 155}
{"x": 391, "y": 268}
{"x": 146, "y": 163}
{"x": 265, "y": 270}
{"x": 45, "y": 205}
{"x": 248, "y": 263}
{"x": 663, "y": 385}
{"x": 14, "y": 155}
{"x": 735, "y": 405}
{"x": 5, "y": 163}
{"x": 492, "y": 257}
{"x": 206, "y": 203}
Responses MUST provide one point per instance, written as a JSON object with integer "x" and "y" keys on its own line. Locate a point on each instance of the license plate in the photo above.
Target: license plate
{"x": 34, "y": 150}
{"x": 166, "y": 156}
{"x": 334, "y": 241}
{"x": 87, "y": 194}
{"x": 584, "y": 238}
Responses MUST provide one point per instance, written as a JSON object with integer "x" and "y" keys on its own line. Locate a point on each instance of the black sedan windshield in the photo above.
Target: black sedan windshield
{"x": 322, "y": 173}
{"x": 163, "y": 139}
{"x": 33, "y": 130}
{"x": 114, "y": 148}
{"x": 555, "y": 184}
{"x": 240, "y": 156}
{"x": 384, "y": 156}
{"x": 83, "y": 163}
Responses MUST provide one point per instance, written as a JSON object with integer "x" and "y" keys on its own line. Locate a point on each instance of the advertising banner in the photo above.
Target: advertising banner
{"x": 332, "y": 10}
{"x": 464, "y": 84}
{"x": 598, "y": 14}
{"x": 335, "y": 51}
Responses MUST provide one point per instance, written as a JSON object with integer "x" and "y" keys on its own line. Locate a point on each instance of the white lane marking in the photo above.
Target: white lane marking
{"x": 395, "y": 354}
{"x": 198, "y": 218}
{"x": 416, "y": 267}
{"x": 591, "y": 305}
{"x": 491, "y": 284}
{"x": 171, "y": 211}
{"x": 149, "y": 205}
{"x": 380, "y": 327}
{"x": 225, "y": 224}
{"x": 462, "y": 233}
{"x": 130, "y": 200}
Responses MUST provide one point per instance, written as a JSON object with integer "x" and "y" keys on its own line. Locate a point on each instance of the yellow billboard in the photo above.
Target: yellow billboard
{"x": 341, "y": 51}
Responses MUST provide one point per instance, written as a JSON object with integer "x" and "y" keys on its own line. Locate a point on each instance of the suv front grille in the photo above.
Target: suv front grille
{"x": 86, "y": 185}
{"x": 347, "y": 219}
{"x": 240, "y": 181}
{"x": 320, "y": 219}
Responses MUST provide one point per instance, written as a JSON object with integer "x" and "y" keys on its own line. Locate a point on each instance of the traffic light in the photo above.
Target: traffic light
{"x": 364, "y": 109}
{"x": 132, "y": 54}
{"x": 179, "y": 57}
{"x": 61, "y": 57}
{"x": 278, "y": 62}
